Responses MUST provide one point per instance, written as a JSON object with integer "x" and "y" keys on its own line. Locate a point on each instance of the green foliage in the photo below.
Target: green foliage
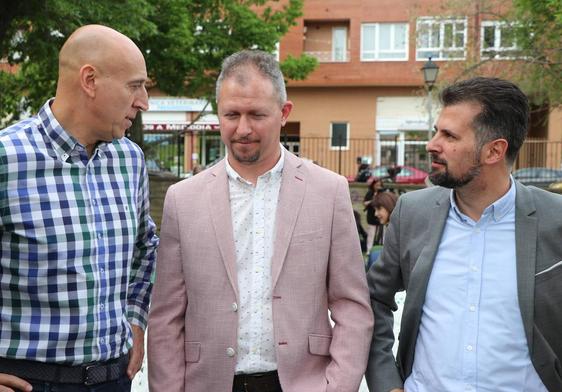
{"x": 541, "y": 68}
{"x": 536, "y": 27}
{"x": 184, "y": 41}
{"x": 298, "y": 68}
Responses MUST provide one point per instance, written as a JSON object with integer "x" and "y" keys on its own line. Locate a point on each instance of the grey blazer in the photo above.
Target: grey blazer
{"x": 406, "y": 262}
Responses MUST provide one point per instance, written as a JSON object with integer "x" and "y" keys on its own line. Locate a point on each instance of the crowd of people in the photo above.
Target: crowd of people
{"x": 260, "y": 278}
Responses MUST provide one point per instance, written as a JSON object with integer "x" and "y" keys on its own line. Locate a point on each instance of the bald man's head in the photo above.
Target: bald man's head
{"x": 101, "y": 85}
{"x": 96, "y": 45}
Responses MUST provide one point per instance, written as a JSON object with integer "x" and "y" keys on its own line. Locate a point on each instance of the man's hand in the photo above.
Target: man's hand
{"x": 137, "y": 352}
{"x": 8, "y": 383}
{"x": 397, "y": 390}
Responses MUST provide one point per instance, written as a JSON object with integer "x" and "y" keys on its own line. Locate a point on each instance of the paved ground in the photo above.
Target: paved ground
{"x": 140, "y": 383}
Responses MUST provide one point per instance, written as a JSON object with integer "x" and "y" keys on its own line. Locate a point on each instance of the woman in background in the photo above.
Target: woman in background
{"x": 383, "y": 204}
{"x": 374, "y": 230}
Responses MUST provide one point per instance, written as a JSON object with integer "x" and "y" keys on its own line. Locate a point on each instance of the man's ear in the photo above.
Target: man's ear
{"x": 286, "y": 110}
{"x": 88, "y": 74}
{"x": 495, "y": 151}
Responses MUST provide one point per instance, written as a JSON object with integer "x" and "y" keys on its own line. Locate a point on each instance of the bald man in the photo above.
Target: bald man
{"x": 77, "y": 244}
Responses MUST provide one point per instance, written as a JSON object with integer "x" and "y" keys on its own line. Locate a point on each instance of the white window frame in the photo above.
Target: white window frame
{"x": 440, "y": 51}
{"x": 377, "y": 52}
{"x": 497, "y": 48}
{"x": 347, "y": 131}
{"x": 335, "y": 31}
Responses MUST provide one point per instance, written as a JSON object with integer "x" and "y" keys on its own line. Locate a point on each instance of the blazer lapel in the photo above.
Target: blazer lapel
{"x": 421, "y": 272}
{"x": 219, "y": 207}
{"x": 291, "y": 195}
{"x": 526, "y": 255}
{"x": 419, "y": 279}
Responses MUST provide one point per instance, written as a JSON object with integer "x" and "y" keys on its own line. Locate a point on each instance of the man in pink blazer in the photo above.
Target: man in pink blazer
{"x": 255, "y": 252}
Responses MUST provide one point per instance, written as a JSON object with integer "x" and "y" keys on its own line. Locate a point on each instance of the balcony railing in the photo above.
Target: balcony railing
{"x": 329, "y": 56}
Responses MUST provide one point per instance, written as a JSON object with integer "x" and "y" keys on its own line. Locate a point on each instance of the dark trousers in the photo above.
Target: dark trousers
{"x": 259, "y": 382}
{"x": 123, "y": 384}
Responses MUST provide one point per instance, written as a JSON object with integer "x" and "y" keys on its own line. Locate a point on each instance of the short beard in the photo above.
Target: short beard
{"x": 245, "y": 159}
{"x": 447, "y": 180}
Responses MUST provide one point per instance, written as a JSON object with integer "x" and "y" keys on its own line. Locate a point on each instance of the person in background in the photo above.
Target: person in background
{"x": 383, "y": 204}
{"x": 361, "y": 231}
{"x": 258, "y": 252}
{"x": 197, "y": 169}
{"x": 77, "y": 242}
{"x": 374, "y": 228}
{"x": 479, "y": 255}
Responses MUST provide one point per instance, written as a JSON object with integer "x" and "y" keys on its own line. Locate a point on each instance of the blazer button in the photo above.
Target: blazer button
{"x": 230, "y": 352}
{"x": 234, "y": 307}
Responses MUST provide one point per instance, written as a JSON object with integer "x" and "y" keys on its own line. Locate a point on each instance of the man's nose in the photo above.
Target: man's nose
{"x": 243, "y": 128}
{"x": 431, "y": 144}
{"x": 141, "y": 101}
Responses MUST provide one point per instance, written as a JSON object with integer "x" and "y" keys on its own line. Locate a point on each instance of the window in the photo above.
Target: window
{"x": 327, "y": 41}
{"x": 498, "y": 40}
{"x": 441, "y": 39}
{"x": 339, "y": 44}
{"x": 384, "y": 41}
{"x": 339, "y": 135}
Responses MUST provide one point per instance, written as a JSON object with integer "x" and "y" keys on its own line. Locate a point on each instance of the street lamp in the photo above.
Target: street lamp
{"x": 430, "y": 71}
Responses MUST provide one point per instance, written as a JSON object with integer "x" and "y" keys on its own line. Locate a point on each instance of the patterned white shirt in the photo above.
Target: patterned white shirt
{"x": 253, "y": 211}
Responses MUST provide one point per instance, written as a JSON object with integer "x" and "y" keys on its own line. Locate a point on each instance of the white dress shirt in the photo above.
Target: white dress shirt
{"x": 471, "y": 335}
{"x": 253, "y": 208}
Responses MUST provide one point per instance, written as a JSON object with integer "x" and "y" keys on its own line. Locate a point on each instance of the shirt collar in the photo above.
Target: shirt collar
{"x": 497, "y": 209}
{"x": 63, "y": 143}
{"x": 275, "y": 170}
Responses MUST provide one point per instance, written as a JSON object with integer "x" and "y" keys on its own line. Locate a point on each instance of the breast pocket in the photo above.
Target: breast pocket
{"x": 304, "y": 238}
{"x": 548, "y": 307}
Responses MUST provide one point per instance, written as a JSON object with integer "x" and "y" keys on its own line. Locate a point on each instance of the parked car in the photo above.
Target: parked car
{"x": 556, "y": 186}
{"x": 538, "y": 176}
{"x": 404, "y": 175}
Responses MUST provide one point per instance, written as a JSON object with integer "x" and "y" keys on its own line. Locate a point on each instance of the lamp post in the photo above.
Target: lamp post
{"x": 430, "y": 71}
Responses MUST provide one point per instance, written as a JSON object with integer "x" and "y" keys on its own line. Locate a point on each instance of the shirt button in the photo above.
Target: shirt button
{"x": 469, "y": 348}
{"x": 100, "y": 235}
{"x": 472, "y": 308}
{"x": 230, "y": 352}
{"x": 234, "y": 307}
{"x": 94, "y": 202}
{"x": 102, "y": 340}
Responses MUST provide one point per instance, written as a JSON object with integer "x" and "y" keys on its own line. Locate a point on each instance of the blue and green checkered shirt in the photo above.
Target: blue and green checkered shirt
{"x": 77, "y": 244}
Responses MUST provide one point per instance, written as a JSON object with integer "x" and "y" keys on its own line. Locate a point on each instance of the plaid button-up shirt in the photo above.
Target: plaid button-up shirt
{"x": 77, "y": 244}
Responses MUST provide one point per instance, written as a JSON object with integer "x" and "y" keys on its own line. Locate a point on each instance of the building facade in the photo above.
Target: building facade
{"x": 367, "y": 101}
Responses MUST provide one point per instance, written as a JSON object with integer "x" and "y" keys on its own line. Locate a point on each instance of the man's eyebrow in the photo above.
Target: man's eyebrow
{"x": 140, "y": 80}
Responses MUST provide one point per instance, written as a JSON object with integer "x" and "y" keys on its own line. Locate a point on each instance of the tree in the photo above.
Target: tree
{"x": 541, "y": 44}
{"x": 535, "y": 26}
{"x": 184, "y": 41}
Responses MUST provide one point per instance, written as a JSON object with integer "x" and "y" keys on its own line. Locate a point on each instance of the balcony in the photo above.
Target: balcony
{"x": 327, "y": 41}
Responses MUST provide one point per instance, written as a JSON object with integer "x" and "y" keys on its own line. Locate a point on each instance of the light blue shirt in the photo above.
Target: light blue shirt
{"x": 471, "y": 335}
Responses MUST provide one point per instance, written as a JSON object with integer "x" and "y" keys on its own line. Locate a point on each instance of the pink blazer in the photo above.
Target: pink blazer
{"x": 317, "y": 267}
